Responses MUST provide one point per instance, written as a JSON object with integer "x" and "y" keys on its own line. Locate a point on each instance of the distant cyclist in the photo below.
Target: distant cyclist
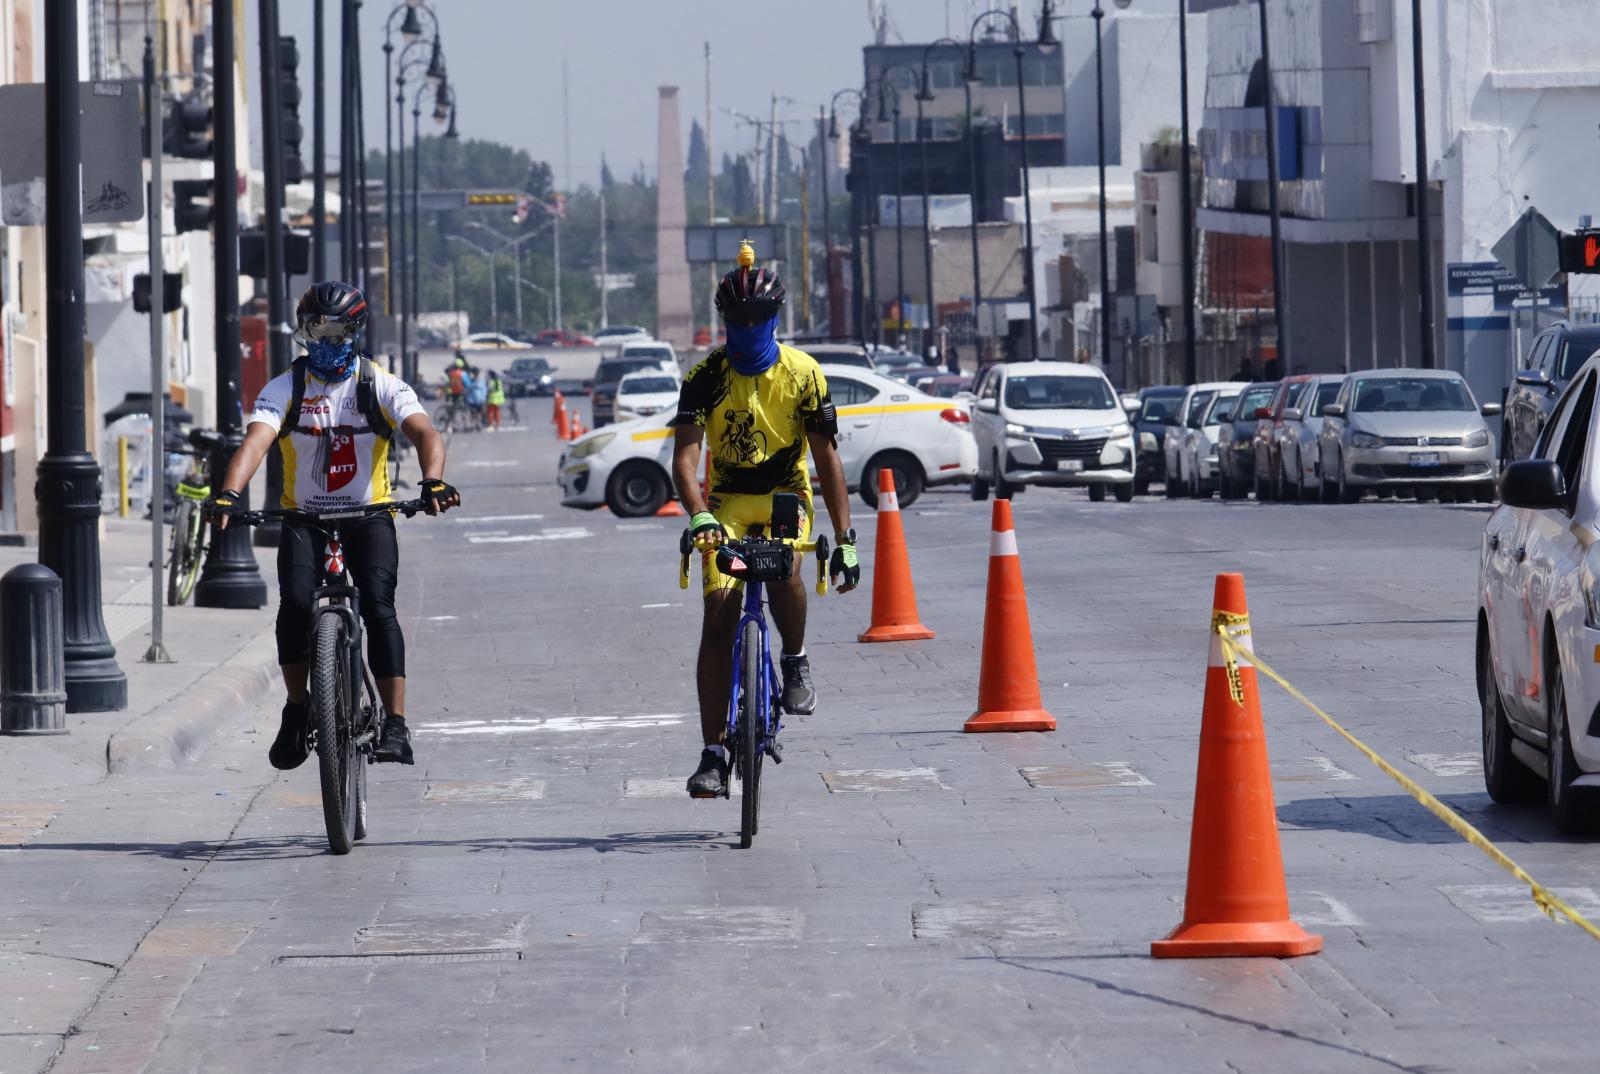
{"x": 333, "y": 415}
{"x": 758, "y": 405}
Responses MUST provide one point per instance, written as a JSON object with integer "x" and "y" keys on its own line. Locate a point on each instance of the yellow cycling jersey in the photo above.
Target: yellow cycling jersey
{"x": 756, "y": 426}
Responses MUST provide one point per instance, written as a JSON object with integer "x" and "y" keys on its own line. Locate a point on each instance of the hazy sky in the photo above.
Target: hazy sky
{"x": 505, "y": 58}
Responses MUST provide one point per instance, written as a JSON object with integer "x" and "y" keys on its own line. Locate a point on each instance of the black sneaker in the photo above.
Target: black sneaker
{"x": 291, "y": 748}
{"x": 799, "y": 697}
{"x": 395, "y": 743}
{"x": 710, "y": 780}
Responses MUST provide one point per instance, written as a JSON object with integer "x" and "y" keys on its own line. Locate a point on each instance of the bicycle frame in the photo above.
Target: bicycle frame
{"x": 338, "y": 595}
{"x": 755, "y": 611}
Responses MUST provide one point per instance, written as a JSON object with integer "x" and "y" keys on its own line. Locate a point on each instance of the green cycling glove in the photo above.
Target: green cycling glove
{"x": 706, "y": 532}
{"x": 845, "y": 562}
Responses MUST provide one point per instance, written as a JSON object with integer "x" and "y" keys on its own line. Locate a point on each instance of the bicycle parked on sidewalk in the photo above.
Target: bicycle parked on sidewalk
{"x": 753, "y": 711}
{"x": 346, "y": 712}
{"x": 189, "y": 529}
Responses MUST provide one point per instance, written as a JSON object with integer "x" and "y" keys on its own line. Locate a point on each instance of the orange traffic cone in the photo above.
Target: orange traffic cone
{"x": 576, "y": 429}
{"x": 671, "y": 509}
{"x": 894, "y": 598}
{"x": 1237, "y": 903}
{"x": 558, "y": 416}
{"x": 1008, "y": 681}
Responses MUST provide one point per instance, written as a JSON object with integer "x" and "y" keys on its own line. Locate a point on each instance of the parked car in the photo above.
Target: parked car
{"x": 491, "y": 341}
{"x": 1198, "y": 454}
{"x": 1539, "y": 619}
{"x": 1267, "y": 466}
{"x": 1236, "y": 441}
{"x": 1186, "y": 416}
{"x": 1417, "y": 429}
{"x": 1051, "y": 423}
{"x": 1556, "y": 354}
{"x": 852, "y": 354}
{"x": 562, "y": 337}
{"x": 896, "y": 364}
{"x": 642, "y": 394}
{"x": 1297, "y": 439}
{"x": 530, "y": 375}
{"x": 1156, "y": 405}
{"x": 882, "y": 424}
{"x": 919, "y": 376}
{"x": 948, "y": 385}
{"x": 603, "y": 389}
{"x": 617, "y": 334}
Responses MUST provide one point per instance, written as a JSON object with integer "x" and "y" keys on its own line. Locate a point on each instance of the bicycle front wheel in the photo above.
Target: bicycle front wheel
{"x": 752, "y": 733}
{"x": 183, "y": 567}
{"x": 336, "y": 750}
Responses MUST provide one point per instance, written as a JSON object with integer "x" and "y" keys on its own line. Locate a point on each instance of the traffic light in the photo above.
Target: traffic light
{"x": 294, "y": 167}
{"x": 1580, "y": 252}
{"x": 188, "y": 129}
{"x": 253, "y": 252}
{"x": 191, "y": 204}
{"x": 171, "y": 292}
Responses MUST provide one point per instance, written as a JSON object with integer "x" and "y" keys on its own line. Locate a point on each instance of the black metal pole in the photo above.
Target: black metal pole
{"x": 346, "y": 157}
{"x": 1191, "y": 360}
{"x": 827, "y": 216}
{"x": 230, "y": 577}
{"x": 977, "y": 279}
{"x": 927, "y": 231}
{"x": 414, "y": 247}
{"x": 363, "y": 213}
{"x": 1269, "y": 104}
{"x": 397, "y": 240}
{"x": 1424, "y": 223}
{"x": 68, "y": 488}
{"x": 272, "y": 145}
{"x": 872, "y": 244}
{"x": 319, "y": 149}
{"x": 1105, "y": 236}
{"x": 899, "y": 246}
{"x": 1027, "y": 212}
{"x": 388, "y": 179}
{"x": 860, "y": 149}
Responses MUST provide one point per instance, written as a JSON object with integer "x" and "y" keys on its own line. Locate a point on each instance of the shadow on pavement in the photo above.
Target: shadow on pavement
{"x": 1400, "y": 819}
{"x": 306, "y": 846}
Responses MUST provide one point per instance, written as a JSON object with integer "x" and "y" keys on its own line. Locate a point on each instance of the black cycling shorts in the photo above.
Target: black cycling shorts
{"x": 372, "y": 556}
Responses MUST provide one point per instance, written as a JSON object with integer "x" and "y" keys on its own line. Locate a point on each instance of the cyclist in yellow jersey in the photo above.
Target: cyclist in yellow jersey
{"x": 759, "y": 407}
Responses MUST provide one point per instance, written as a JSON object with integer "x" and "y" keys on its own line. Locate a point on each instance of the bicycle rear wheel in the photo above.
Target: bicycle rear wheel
{"x": 183, "y": 568}
{"x": 336, "y": 750}
{"x": 752, "y": 732}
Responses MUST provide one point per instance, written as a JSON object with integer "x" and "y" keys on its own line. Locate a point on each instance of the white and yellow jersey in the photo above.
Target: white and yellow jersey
{"x": 330, "y": 458}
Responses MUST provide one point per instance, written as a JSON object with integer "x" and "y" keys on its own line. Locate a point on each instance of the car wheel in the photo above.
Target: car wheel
{"x": 980, "y": 487}
{"x": 1003, "y": 489}
{"x": 1263, "y": 489}
{"x": 1572, "y": 808}
{"x": 1124, "y": 493}
{"x": 1224, "y": 486}
{"x": 1486, "y": 492}
{"x": 1140, "y": 486}
{"x": 1348, "y": 493}
{"x": 1427, "y": 493}
{"x": 1097, "y": 494}
{"x": 1280, "y": 487}
{"x": 1173, "y": 488}
{"x": 637, "y": 489}
{"x": 1301, "y": 493}
{"x": 908, "y": 478}
{"x": 1506, "y": 779}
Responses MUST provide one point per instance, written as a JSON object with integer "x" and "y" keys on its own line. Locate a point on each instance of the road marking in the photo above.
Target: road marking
{"x": 998, "y": 919}
{"x": 574, "y": 534}
{"x": 441, "y": 618}
{"x": 526, "y": 725}
{"x": 1449, "y": 764}
{"x": 661, "y": 605}
{"x": 641, "y": 526}
{"x": 1077, "y": 777}
{"x": 477, "y": 519}
{"x": 719, "y": 924}
{"x": 492, "y": 462}
{"x": 1508, "y": 904}
{"x": 872, "y": 780}
{"x": 517, "y": 789}
{"x": 665, "y": 787}
{"x": 1324, "y": 911}
{"x": 1309, "y": 770}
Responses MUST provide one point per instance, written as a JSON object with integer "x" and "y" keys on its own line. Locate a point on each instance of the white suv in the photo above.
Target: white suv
{"x": 1050, "y": 423}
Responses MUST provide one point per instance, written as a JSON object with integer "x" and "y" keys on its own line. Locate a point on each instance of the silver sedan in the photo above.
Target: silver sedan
{"x": 1406, "y": 429}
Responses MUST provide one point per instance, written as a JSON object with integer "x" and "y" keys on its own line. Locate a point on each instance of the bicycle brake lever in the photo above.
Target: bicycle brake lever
{"x": 822, "y": 566}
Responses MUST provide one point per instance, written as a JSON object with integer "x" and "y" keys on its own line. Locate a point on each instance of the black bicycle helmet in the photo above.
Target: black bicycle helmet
{"x": 331, "y": 310}
{"x": 749, "y": 295}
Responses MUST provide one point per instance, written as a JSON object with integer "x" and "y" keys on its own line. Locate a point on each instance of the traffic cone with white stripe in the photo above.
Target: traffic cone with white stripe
{"x": 894, "y": 598}
{"x": 1237, "y": 902}
{"x": 1008, "y": 680}
{"x": 558, "y": 416}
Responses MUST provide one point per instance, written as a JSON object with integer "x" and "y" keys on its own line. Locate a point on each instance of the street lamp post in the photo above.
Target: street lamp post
{"x": 827, "y": 216}
{"x": 319, "y": 123}
{"x": 1100, "y": 160}
{"x": 1424, "y": 224}
{"x": 1191, "y": 361}
{"x": 68, "y": 488}
{"x": 230, "y": 577}
{"x": 1269, "y": 105}
{"x": 272, "y": 147}
{"x": 399, "y": 252}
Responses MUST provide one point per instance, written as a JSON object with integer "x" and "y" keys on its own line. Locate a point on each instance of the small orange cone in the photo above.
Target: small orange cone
{"x": 558, "y": 417}
{"x": 576, "y": 429}
{"x": 1008, "y": 681}
{"x": 671, "y": 509}
{"x": 1237, "y": 902}
{"x": 894, "y": 598}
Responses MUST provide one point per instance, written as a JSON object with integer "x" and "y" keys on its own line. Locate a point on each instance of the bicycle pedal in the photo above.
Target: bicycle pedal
{"x": 775, "y": 752}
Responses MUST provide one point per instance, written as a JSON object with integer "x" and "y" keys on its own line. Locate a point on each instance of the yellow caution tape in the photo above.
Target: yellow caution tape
{"x": 1547, "y": 900}
{"x": 1231, "y": 625}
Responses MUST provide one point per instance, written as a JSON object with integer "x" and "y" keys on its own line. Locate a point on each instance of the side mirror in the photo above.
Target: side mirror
{"x": 1333, "y": 410}
{"x": 1131, "y": 403}
{"x": 1291, "y": 413}
{"x": 989, "y": 406}
{"x": 1537, "y": 484}
{"x": 1490, "y": 410}
{"x": 1263, "y": 412}
{"x": 1533, "y": 378}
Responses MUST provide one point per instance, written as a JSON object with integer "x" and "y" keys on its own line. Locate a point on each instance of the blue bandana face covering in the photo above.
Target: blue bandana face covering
{"x": 753, "y": 348}
{"x": 332, "y": 362}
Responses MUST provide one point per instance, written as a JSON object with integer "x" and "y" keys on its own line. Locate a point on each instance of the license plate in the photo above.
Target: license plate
{"x": 1069, "y": 465}
{"x": 1425, "y": 458}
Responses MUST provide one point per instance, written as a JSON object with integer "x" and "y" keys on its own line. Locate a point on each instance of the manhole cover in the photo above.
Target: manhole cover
{"x": 427, "y": 958}
{"x": 871, "y": 780}
{"x": 723, "y": 924}
{"x": 1000, "y": 919}
{"x": 446, "y": 933}
{"x": 1090, "y": 776}
{"x": 520, "y": 789}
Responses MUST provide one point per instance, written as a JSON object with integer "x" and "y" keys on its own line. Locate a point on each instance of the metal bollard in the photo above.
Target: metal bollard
{"x": 33, "y": 669}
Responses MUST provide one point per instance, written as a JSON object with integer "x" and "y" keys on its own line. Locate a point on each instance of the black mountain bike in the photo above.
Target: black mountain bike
{"x": 346, "y": 712}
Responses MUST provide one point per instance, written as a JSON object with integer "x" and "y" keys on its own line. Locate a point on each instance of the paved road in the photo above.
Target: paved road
{"x": 537, "y": 893}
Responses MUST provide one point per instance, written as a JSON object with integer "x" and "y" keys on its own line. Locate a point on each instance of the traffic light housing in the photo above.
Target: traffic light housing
{"x": 171, "y": 292}
{"x": 289, "y": 126}
{"x": 1580, "y": 251}
{"x": 253, "y": 252}
{"x": 187, "y": 132}
{"x": 191, "y": 204}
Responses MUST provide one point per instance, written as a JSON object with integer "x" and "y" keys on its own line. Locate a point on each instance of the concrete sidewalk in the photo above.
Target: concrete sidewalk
{"x": 223, "y": 661}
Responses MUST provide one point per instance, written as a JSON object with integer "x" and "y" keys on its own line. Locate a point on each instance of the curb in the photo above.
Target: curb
{"x": 178, "y": 733}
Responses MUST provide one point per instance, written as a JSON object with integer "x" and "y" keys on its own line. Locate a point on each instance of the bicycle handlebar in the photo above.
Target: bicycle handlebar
{"x": 408, "y": 508}
{"x": 746, "y": 546}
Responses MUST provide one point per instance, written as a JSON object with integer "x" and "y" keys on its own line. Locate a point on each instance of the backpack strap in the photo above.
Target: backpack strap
{"x": 367, "y": 403}
{"x": 297, "y": 395}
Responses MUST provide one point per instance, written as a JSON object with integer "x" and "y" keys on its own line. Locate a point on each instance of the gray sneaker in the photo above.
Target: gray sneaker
{"x": 710, "y": 780}
{"x": 799, "y": 697}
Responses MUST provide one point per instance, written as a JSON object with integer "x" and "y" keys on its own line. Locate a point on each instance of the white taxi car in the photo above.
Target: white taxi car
{"x": 1538, "y": 649}
{"x": 883, "y": 424}
{"x": 641, "y": 394}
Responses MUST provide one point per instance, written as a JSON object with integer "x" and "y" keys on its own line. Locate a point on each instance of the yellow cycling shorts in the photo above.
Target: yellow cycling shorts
{"x": 738, "y": 513}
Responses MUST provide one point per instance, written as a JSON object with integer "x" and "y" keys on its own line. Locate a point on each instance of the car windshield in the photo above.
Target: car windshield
{"x": 1326, "y": 393}
{"x": 1197, "y": 403}
{"x": 1221, "y": 406}
{"x": 529, "y": 365}
{"x": 1244, "y": 408}
{"x": 649, "y": 385}
{"x": 947, "y": 389}
{"x": 636, "y": 351}
{"x": 1045, "y": 392}
{"x": 1159, "y": 408}
{"x": 619, "y": 330}
{"x": 1574, "y": 352}
{"x": 614, "y": 369}
{"x": 1406, "y": 394}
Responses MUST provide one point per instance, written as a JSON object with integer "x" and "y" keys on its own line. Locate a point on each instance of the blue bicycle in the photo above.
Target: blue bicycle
{"x": 753, "y": 710}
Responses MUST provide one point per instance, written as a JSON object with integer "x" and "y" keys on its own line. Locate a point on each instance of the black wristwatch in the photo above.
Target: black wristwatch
{"x": 847, "y": 537}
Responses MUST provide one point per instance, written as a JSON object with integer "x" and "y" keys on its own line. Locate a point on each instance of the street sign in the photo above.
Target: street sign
{"x": 1467, "y": 278}
{"x": 720, "y": 242}
{"x": 1510, "y": 294}
{"x": 113, "y": 160}
{"x": 1531, "y": 249}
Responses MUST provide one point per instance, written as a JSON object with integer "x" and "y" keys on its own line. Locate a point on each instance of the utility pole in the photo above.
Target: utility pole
{"x": 711, "y": 199}
{"x": 605, "y": 280}
{"x": 805, "y": 241}
{"x": 319, "y": 126}
{"x": 1270, "y": 104}
{"x": 1424, "y": 224}
{"x": 230, "y": 577}
{"x": 558, "y": 269}
{"x": 1191, "y": 361}
{"x": 267, "y": 535}
{"x": 157, "y": 653}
